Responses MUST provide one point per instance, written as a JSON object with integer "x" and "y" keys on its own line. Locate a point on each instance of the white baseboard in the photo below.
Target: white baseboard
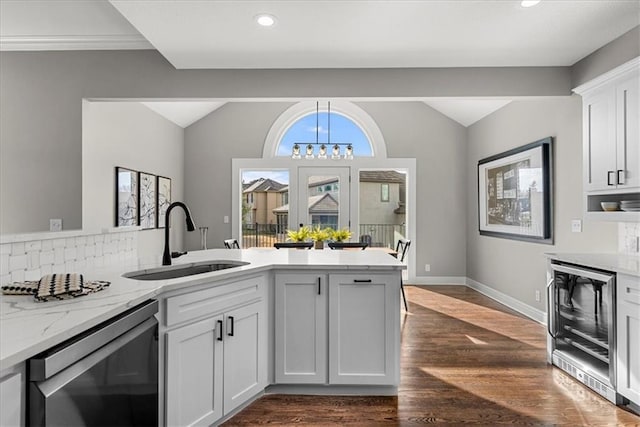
{"x": 514, "y": 304}
{"x": 434, "y": 280}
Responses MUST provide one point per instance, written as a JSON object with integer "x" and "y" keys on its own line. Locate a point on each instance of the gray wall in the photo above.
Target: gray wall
{"x": 410, "y": 129}
{"x": 40, "y": 124}
{"x": 128, "y": 134}
{"x": 235, "y": 130}
{"x": 518, "y": 268}
{"x": 609, "y": 56}
{"x": 413, "y": 129}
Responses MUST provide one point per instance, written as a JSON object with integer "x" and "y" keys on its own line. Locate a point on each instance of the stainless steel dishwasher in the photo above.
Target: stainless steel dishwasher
{"x": 106, "y": 376}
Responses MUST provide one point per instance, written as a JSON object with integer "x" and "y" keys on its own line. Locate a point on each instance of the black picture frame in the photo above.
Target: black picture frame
{"x": 147, "y": 213}
{"x": 126, "y": 196}
{"x": 163, "y": 198}
{"x": 515, "y": 193}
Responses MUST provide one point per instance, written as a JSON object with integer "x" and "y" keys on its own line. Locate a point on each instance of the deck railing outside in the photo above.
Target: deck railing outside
{"x": 265, "y": 235}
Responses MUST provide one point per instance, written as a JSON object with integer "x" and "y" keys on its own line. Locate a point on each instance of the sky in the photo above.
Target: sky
{"x": 342, "y": 130}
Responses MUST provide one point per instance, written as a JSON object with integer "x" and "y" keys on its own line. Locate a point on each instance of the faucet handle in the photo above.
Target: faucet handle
{"x": 177, "y": 254}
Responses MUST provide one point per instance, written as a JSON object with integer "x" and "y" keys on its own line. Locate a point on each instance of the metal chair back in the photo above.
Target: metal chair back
{"x": 402, "y": 247}
{"x": 348, "y": 245}
{"x": 231, "y": 244}
{"x": 297, "y": 245}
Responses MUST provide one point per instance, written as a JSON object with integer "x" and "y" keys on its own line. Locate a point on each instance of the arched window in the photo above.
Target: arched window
{"x": 339, "y": 122}
{"x": 327, "y": 128}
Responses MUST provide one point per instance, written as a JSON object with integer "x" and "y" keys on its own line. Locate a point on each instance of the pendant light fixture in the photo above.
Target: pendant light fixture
{"x": 322, "y": 147}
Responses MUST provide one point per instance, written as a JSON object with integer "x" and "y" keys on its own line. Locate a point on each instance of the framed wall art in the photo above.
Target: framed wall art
{"x": 126, "y": 197}
{"x": 164, "y": 198}
{"x": 515, "y": 193}
{"x": 147, "y": 200}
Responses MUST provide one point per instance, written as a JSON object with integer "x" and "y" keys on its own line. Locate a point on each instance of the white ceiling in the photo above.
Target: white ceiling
{"x": 184, "y": 113}
{"x": 325, "y": 34}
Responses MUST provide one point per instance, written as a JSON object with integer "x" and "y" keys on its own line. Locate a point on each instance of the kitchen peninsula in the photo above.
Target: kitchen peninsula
{"x": 288, "y": 321}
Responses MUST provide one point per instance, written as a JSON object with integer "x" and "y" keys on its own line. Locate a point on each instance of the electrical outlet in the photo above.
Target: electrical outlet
{"x": 576, "y": 225}
{"x": 538, "y": 296}
{"x": 427, "y": 267}
{"x": 226, "y": 219}
{"x": 55, "y": 224}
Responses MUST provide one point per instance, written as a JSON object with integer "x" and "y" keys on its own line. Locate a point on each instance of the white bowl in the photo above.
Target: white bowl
{"x": 610, "y": 206}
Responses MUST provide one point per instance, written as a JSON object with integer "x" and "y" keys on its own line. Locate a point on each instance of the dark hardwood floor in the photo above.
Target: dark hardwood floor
{"x": 465, "y": 360}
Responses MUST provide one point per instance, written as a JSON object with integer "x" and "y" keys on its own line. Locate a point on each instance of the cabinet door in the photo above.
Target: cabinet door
{"x": 301, "y": 329}
{"x": 628, "y": 132}
{"x": 194, "y": 374}
{"x": 628, "y": 338}
{"x": 12, "y": 397}
{"x": 364, "y": 329}
{"x": 599, "y": 149}
{"x": 245, "y": 350}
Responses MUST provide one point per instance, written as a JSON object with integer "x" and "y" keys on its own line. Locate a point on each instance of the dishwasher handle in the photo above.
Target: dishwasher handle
{"x": 52, "y": 361}
{"x": 58, "y": 381}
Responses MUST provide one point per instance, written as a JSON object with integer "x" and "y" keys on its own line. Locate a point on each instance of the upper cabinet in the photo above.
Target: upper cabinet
{"x": 611, "y": 141}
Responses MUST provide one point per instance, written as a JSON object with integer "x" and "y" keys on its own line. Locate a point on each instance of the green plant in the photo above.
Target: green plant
{"x": 341, "y": 235}
{"x": 299, "y": 235}
{"x": 321, "y": 234}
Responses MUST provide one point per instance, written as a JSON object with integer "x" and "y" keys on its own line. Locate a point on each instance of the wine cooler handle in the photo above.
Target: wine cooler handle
{"x": 549, "y": 315}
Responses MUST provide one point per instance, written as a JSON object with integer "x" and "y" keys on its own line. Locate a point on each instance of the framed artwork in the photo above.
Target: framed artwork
{"x": 126, "y": 197}
{"x": 147, "y": 200}
{"x": 515, "y": 193}
{"x": 164, "y": 199}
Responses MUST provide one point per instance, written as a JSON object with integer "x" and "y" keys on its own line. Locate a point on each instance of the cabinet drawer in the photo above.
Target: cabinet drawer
{"x": 628, "y": 289}
{"x": 206, "y": 302}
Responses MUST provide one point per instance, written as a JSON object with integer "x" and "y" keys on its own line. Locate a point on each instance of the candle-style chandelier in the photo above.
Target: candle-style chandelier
{"x": 322, "y": 147}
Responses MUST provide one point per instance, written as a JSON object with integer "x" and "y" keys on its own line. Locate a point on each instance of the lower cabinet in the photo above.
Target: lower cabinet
{"x": 346, "y": 333}
{"x": 215, "y": 364}
{"x": 301, "y": 328}
{"x": 364, "y": 313}
{"x": 12, "y": 396}
{"x": 194, "y": 373}
{"x": 628, "y": 338}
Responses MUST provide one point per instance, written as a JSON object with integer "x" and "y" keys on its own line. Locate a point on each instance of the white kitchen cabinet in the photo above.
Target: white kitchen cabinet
{"x": 12, "y": 396}
{"x": 611, "y": 140}
{"x": 301, "y": 328}
{"x": 245, "y": 354}
{"x": 364, "y": 313}
{"x": 611, "y": 130}
{"x": 216, "y": 354}
{"x": 194, "y": 373}
{"x": 628, "y": 337}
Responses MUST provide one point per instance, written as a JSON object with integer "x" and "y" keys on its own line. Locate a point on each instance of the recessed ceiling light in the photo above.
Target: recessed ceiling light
{"x": 529, "y": 3}
{"x": 265, "y": 20}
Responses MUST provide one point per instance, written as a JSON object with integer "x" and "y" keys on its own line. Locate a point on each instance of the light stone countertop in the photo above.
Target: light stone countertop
{"x": 618, "y": 263}
{"x": 28, "y": 327}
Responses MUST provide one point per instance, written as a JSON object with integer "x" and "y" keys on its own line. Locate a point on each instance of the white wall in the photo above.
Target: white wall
{"x": 132, "y": 136}
{"x": 518, "y": 268}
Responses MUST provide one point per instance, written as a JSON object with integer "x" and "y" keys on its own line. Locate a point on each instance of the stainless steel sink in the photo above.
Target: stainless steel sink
{"x": 175, "y": 271}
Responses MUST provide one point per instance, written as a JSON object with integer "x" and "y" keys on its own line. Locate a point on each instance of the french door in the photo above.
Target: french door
{"x": 324, "y": 197}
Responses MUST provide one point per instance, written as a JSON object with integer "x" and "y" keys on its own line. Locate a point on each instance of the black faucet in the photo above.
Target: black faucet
{"x": 166, "y": 257}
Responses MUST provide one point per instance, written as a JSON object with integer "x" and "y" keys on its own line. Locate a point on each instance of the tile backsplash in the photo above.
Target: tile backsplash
{"x": 33, "y": 256}
{"x": 629, "y": 238}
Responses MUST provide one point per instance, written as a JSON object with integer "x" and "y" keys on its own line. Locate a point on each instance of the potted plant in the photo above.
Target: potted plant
{"x": 319, "y": 235}
{"x": 299, "y": 235}
{"x": 340, "y": 235}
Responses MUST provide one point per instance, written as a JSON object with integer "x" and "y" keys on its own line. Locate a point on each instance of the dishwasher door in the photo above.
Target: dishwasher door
{"x": 115, "y": 385}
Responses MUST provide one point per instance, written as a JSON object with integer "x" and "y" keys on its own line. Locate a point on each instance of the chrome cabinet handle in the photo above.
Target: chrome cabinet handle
{"x": 230, "y": 318}
{"x": 219, "y": 330}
